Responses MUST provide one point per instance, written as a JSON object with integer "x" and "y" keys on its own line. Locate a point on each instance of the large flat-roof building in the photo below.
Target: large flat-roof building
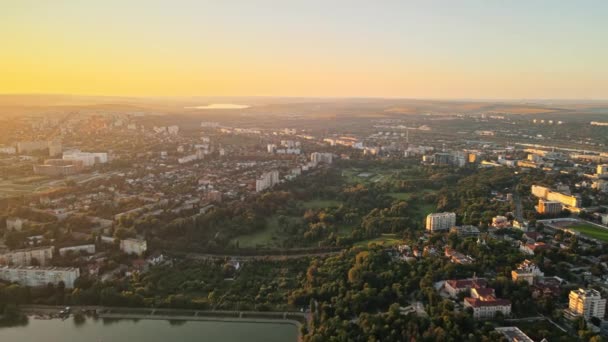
{"x": 513, "y": 334}
{"x": 40, "y": 276}
{"x": 563, "y": 198}
{"x": 25, "y": 257}
{"x": 549, "y": 207}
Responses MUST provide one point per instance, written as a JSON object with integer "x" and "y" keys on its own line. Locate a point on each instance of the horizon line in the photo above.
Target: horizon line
{"x": 483, "y": 99}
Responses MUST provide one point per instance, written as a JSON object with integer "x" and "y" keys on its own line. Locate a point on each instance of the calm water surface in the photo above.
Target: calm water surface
{"x": 55, "y": 330}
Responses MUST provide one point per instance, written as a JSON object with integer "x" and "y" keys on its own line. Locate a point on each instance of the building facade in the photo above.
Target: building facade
{"x": 527, "y": 271}
{"x": 440, "y": 221}
{"x": 134, "y": 246}
{"x": 587, "y": 303}
{"x": 40, "y": 276}
{"x": 549, "y": 207}
{"x": 25, "y": 257}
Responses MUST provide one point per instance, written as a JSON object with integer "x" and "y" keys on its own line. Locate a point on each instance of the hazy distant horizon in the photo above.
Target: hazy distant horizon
{"x": 354, "y": 97}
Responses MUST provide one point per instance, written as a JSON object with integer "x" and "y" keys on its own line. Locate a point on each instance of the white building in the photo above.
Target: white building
{"x": 527, "y": 271}
{"x": 24, "y": 257}
{"x": 587, "y": 303}
{"x": 267, "y": 180}
{"x": 14, "y": 223}
{"x": 87, "y": 158}
{"x": 317, "y": 157}
{"x": 133, "y": 246}
{"x": 90, "y": 249}
{"x": 8, "y": 150}
{"x": 440, "y": 221}
{"x": 173, "y": 129}
{"x": 487, "y": 307}
{"x": 40, "y": 276}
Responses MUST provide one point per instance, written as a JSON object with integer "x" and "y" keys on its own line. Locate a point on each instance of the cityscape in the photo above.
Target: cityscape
{"x": 285, "y": 206}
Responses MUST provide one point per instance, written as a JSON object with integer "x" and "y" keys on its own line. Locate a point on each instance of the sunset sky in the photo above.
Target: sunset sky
{"x": 414, "y": 49}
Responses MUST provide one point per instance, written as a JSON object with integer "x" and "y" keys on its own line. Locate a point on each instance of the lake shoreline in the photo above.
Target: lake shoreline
{"x": 135, "y": 314}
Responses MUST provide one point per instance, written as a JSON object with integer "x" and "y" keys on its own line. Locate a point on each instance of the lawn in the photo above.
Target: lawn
{"x": 424, "y": 209}
{"x": 269, "y": 237}
{"x": 320, "y": 203}
{"x": 591, "y": 231}
{"x": 403, "y": 196}
{"x": 384, "y": 240}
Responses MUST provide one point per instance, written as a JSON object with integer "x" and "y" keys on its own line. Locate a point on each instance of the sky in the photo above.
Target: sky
{"x": 481, "y": 49}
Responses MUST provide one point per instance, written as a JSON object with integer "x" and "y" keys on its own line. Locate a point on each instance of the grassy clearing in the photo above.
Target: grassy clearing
{"x": 320, "y": 203}
{"x": 384, "y": 240}
{"x": 403, "y": 196}
{"x": 424, "y": 209}
{"x": 591, "y": 231}
{"x": 269, "y": 237}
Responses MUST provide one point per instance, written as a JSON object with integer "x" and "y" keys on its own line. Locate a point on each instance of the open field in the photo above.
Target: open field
{"x": 384, "y": 240}
{"x": 320, "y": 203}
{"x": 269, "y": 237}
{"x": 404, "y": 196}
{"x": 591, "y": 231}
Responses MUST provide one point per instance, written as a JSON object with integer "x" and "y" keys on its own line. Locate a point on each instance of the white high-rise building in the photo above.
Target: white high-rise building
{"x": 587, "y": 303}
{"x": 267, "y": 180}
{"x": 317, "y": 157}
{"x": 440, "y": 221}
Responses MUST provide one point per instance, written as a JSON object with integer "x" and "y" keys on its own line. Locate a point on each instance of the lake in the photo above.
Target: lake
{"x": 99, "y": 330}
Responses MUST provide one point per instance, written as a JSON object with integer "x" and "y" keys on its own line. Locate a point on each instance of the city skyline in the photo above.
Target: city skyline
{"x": 439, "y": 49}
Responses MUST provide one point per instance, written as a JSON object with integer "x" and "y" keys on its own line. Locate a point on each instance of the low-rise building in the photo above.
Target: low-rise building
{"x": 465, "y": 231}
{"x": 90, "y": 249}
{"x": 488, "y": 307}
{"x": 455, "y": 286}
{"x": 26, "y": 256}
{"x": 14, "y": 223}
{"x": 40, "y": 276}
{"x": 527, "y": 271}
{"x": 133, "y": 246}
{"x": 513, "y": 334}
{"x": 531, "y": 248}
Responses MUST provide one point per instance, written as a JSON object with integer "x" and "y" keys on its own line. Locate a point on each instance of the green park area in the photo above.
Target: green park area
{"x": 269, "y": 237}
{"x": 383, "y": 240}
{"x": 321, "y": 203}
{"x": 591, "y": 231}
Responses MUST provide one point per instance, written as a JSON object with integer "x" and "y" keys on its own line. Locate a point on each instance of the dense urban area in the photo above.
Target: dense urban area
{"x": 361, "y": 220}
